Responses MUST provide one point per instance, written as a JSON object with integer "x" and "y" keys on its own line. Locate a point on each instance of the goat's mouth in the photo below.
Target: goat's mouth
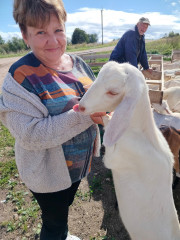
{"x": 80, "y": 108}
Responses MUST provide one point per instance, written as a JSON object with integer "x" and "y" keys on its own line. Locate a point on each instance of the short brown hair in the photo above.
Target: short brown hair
{"x": 36, "y": 13}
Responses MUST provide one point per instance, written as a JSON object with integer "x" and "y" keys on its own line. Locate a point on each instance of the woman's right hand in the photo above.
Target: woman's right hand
{"x": 97, "y": 117}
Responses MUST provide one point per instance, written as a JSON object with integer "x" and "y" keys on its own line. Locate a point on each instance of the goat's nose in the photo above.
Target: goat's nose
{"x": 81, "y": 108}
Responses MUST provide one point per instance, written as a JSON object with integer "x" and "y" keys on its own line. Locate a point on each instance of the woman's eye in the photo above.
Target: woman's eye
{"x": 40, "y": 32}
{"x": 59, "y": 30}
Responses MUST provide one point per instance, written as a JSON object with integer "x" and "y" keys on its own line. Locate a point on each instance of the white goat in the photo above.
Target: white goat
{"x": 136, "y": 152}
{"x": 164, "y": 109}
{"x": 172, "y": 95}
{"x": 172, "y": 83}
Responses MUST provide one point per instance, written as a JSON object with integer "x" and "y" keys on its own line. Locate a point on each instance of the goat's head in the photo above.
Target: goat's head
{"x": 107, "y": 90}
{"x": 118, "y": 87}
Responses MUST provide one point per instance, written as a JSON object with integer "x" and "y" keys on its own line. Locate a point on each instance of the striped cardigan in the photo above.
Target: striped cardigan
{"x": 39, "y": 137}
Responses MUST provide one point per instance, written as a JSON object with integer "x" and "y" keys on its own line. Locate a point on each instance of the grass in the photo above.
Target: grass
{"x": 83, "y": 46}
{"x": 19, "y": 54}
{"x": 96, "y": 184}
{"x": 163, "y": 46}
{"x": 7, "y": 171}
{"x": 25, "y": 211}
{"x": 6, "y": 140}
{"x": 8, "y": 167}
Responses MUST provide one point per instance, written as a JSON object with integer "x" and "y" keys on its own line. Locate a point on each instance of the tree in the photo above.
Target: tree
{"x": 92, "y": 38}
{"x": 1, "y": 40}
{"x": 171, "y": 34}
{"x": 16, "y": 44}
{"x": 68, "y": 41}
{"x": 79, "y": 36}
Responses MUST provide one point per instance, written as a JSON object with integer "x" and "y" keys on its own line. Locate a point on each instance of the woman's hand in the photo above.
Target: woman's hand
{"x": 97, "y": 117}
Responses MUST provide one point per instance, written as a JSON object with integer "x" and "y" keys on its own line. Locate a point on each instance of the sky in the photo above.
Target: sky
{"x": 109, "y": 19}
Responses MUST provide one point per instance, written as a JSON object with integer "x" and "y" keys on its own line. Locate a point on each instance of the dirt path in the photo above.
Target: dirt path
{"x": 5, "y": 64}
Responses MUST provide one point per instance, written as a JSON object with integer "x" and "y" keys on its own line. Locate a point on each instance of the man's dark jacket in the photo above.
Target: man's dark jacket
{"x": 131, "y": 48}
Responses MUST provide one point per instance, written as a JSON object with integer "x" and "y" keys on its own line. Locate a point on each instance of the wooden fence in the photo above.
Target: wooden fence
{"x": 175, "y": 56}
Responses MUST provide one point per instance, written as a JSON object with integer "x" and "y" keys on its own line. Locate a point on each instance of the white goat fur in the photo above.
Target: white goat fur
{"x": 172, "y": 95}
{"x": 164, "y": 109}
{"x": 172, "y": 83}
{"x": 136, "y": 152}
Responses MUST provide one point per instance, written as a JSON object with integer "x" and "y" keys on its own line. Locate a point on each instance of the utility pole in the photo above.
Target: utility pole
{"x": 102, "y": 24}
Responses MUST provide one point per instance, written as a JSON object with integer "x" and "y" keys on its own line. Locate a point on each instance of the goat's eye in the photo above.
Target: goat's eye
{"x": 111, "y": 93}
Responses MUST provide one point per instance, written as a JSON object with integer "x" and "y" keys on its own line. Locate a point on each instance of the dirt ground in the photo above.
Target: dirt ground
{"x": 92, "y": 217}
{"x": 93, "y": 214}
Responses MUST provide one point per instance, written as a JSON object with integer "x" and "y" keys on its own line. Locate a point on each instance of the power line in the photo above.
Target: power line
{"x": 102, "y": 24}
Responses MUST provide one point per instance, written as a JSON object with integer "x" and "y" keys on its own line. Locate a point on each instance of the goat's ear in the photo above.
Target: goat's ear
{"x": 124, "y": 111}
{"x": 120, "y": 120}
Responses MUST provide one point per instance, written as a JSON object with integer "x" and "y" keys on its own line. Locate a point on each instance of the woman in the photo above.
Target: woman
{"x": 54, "y": 145}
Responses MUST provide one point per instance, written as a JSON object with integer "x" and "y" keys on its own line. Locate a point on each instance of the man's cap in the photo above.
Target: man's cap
{"x": 144, "y": 20}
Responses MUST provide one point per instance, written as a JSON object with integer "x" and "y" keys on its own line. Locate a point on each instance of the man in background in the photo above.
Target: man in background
{"x": 131, "y": 46}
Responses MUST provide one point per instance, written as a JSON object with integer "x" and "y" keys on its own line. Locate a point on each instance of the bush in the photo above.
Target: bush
{"x": 80, "y": 36}
{"x": 2, "y": 51}
{"x": 16, "y": 45}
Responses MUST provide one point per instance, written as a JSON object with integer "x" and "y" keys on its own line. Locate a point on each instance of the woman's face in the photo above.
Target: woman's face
{"x": 47, "y": 43}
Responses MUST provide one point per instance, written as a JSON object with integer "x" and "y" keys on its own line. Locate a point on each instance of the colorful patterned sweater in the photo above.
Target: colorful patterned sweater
{"x": 59, "y": 92}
